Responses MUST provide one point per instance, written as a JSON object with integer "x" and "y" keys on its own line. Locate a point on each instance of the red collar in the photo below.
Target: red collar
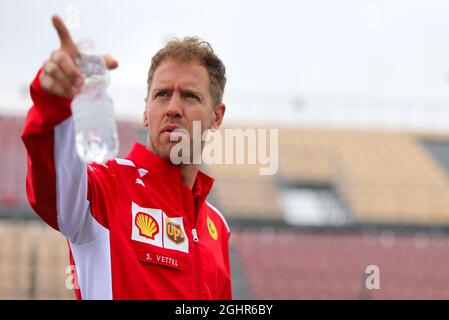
{"x": 146, "y": 159}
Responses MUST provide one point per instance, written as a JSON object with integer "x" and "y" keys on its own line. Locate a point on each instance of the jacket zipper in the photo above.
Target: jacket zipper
{"x": 197, "y": 262}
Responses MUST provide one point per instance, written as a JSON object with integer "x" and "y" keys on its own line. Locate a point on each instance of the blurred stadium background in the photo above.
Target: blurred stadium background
{"x": 344, "y": 198}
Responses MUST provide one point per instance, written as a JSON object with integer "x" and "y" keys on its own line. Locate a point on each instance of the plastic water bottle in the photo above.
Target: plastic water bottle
{"x": 96, "y": 135}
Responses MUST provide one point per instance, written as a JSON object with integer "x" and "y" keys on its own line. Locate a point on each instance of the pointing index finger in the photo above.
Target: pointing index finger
{"x": 64, "y": 36}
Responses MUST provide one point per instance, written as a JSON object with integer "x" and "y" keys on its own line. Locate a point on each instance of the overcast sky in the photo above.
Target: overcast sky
{"x": 273, "y": 50}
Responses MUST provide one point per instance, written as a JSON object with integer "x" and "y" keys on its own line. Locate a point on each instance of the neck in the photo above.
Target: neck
{"x": 188, "y": 173}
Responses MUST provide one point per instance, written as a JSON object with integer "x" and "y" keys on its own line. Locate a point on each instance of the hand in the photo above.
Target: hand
{"x": 60, "y": 75}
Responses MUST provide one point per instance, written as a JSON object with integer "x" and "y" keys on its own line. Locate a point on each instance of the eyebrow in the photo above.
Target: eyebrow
{"x": 187, "y": 90}
{"x": 197, "y": 93}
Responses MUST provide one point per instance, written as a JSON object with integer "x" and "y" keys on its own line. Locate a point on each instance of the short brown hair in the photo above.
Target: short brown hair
{"x": 192, "y": 49}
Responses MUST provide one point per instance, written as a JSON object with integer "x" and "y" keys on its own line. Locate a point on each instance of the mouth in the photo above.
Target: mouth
{"x": 172, "y": 132}
{"x": 170, "y": 128}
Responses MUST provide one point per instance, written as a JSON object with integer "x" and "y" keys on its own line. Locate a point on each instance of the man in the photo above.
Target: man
{"x": 139, "y": 227}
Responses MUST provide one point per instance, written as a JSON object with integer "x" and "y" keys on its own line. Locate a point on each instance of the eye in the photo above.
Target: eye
{"x": 161, "y": 93}
{"x": 190, "y": 95}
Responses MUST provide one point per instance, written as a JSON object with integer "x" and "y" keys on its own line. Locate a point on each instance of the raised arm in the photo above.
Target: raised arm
{"x": 57, "y": 180}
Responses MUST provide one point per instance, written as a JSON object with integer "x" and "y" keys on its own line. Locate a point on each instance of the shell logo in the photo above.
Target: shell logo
{"x": 212, "y": 229}
{"x": 148, "y": 227}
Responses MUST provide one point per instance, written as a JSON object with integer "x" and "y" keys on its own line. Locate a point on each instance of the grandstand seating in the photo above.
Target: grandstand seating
{"x": 286, "y": 264}
{"x": 381, "y": 177}
{"x": 384, "y": 177}
{"x": 33, "y": 261}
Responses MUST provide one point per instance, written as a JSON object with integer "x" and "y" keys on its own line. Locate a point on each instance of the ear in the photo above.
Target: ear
{"x": 217, "y": 116}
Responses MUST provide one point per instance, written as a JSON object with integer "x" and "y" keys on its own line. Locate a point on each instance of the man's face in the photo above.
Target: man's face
{"x": 178, "y": 96}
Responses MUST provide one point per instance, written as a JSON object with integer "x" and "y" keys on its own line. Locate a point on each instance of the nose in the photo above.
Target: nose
{"x": 174, "y": 107}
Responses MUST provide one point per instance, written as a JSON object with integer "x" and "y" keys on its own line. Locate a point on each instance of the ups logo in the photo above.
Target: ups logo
{"x": 174, "y": 232}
